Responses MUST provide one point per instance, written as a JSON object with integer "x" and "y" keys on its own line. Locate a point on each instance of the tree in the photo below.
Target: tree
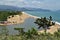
{"x": 44, "y": 23}
{"x": 50, "y": 18}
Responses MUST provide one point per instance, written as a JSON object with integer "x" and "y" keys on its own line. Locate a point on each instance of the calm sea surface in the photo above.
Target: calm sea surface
{"x": 29, "y": 23}
{"x": 55, "y": 15}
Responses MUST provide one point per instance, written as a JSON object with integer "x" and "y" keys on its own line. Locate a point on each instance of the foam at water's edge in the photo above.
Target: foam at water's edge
{"x": 57, "y": 23}
{"x": 39, "y": 17}
{"x": 30, "y": 15}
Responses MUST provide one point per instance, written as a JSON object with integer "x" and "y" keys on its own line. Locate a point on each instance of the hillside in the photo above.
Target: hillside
{"x": 14, "y": 8}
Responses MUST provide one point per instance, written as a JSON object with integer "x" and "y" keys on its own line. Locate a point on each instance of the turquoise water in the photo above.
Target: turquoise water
{"x": 29, "y": 22}
{"x": 55, "y": 15}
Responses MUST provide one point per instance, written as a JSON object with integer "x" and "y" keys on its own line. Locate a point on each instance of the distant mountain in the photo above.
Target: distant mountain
{"x": 6, "y": 7}
{"x": 57, "y": 10}
{"x": 37, "y": 9}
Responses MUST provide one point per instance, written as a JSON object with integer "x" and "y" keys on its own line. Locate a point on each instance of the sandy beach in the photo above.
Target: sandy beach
{"x": 52, "y": 29}
{"x": 24, "y": 16}
{"x": 19, "y": 18}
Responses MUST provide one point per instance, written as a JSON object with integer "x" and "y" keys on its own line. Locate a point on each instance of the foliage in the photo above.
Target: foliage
{"x": 33, "y": 34}
{"x": 44, "y": 22}
{"x": 30, "y": 36}
{"x": 5, "y": 14}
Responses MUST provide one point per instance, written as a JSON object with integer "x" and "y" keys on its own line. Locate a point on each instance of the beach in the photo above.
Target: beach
{"x": 52, "y": 29}
{"x": 18, "y": 18}
{"x": 21, "y": 19}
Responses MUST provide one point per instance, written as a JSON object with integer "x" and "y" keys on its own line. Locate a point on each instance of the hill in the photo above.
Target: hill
{"x": 14, "y": 8}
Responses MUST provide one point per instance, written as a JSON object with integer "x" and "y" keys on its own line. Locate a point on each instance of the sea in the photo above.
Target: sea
{"x": 29, "y": 23}
{"x": 55, "y": 15}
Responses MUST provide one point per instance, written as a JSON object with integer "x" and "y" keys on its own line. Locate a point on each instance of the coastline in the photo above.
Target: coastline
{"x": 26, "y": 15}
{"x": 38, "y": 17}
{"x": 21, "y": 18}
{"x": 30, "y": 15}
{"x": 52, "y": 29}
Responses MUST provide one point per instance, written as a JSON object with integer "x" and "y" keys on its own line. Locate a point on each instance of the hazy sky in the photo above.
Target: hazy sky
{"x": 47, "y": 4}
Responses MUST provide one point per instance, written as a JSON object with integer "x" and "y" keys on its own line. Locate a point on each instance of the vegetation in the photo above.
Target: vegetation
{"x": 21, "y": 32}
{"x": 32, "y": 35}
{"x": 5, "y": 14}
{"x": 45, "y": 23}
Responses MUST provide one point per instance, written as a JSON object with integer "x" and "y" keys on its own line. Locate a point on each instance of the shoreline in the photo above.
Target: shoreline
{"x": 25, "y": 16}
{"x": 30, "y": 15}
{"x": 52, "y": 29}
{"x": 39, "y": 17}
{"x": 57, "y": 23}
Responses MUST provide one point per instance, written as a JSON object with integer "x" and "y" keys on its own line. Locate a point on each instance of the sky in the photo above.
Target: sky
{"x": 45, "y": 4}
